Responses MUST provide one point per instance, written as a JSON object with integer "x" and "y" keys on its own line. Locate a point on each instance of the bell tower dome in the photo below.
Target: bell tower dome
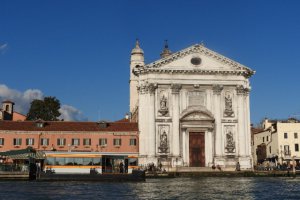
{"x": 136, "y": 59}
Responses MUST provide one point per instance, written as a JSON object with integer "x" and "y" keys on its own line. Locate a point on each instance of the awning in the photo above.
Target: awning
{"x": 23, "y": 154}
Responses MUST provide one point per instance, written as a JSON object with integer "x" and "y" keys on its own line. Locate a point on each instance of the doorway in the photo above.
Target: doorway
{"x": 197, "y": 149}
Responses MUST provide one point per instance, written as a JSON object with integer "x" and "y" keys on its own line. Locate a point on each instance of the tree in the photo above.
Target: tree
{"x": 47, "y": 109}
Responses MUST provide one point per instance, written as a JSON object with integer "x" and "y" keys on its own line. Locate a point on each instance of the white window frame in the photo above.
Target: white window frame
{"x": 29, "y": 141}
{"x": 117, "y": 141}
{"x": 61, "y": 142}
{"x": 132, "y": 142}
{"x": 87, "y": 141}
{"x": 17, "y": 141}
{"x": 75, "y": 141}
{"x": 103, "y": 142}
{"x": 45, "y": 141}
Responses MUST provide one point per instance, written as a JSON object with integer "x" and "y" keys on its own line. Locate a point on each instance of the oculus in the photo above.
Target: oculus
{"x": 196, "y": 61}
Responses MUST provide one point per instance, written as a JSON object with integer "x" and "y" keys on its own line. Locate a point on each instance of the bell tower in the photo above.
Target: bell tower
{"x": 136, "y": 60}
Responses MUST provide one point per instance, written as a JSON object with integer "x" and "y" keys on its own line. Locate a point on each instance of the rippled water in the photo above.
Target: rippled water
{"x": 176, "y": 188}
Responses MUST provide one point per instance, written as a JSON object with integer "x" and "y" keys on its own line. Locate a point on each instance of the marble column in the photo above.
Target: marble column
{"x": 217, "y": 89}
{"x": 175, "y": 118}
{"x": 247, "y": 124}
{"x": 241, "y": 121}
{"x": 142, "y": 127}
{"x": 151, "y": 120}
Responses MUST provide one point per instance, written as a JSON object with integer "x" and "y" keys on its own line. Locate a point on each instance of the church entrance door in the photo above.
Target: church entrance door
{"x": 197, "y": 149}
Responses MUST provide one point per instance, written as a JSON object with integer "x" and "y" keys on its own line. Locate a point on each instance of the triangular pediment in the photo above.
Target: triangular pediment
{"x": 196, "y": 59}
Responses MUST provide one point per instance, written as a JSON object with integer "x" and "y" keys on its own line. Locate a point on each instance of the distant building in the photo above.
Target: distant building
{"x": 278, "y": 141}
{"x": 192, "y": 107}
{"x": 7, "y": 112}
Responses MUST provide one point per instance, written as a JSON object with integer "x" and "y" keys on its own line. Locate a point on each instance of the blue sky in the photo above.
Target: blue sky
{"x": 79, "y": 51}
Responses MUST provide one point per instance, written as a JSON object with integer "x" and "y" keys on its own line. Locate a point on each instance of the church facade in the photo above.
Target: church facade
{"x": 192, "y": 108}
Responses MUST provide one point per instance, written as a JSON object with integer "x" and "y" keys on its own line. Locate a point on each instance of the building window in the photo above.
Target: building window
{"x": 103, "y": 142}
{"x": 61, "y": 141}
{"x": 296, "y": 147}
{"x": 29, "y": 141}
{"x": 285, "y": 135}
{"x": 117, "y": 142}
{"x": 263, "y": 139}
{"x": 1, "y": 141}
{"x": 295, "y": 135}
{"x": 17, "y": 141}
{"x": 44, "y": 141}
{"x": 267, "y": 138}
{"x": 132, "y": 142}
{"x": 87, "y": 141}
{"x": 75, "y": 141}
{"x": 287, "y": 150}
{"x": 270, "y": 150}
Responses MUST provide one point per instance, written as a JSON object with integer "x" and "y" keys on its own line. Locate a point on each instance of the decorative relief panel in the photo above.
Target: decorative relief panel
{"x": 196, "y": 98}
{"x": 229, "y": 139}
{"x": 163, "y": 101}
{"x": 228, "y": 98}
{"x": 163, "y": 136}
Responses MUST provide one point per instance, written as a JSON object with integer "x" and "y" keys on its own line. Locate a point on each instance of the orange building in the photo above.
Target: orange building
{"x": 114, "y": 142}
{"x": 119, "y": 136}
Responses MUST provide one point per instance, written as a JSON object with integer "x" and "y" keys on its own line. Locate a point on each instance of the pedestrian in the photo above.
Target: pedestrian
{"x": 121, "y": 166}
{"x": 238, "y": 167}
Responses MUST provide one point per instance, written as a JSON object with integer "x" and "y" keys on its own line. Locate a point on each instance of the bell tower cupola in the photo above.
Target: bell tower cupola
{"x": 136, "y": 60}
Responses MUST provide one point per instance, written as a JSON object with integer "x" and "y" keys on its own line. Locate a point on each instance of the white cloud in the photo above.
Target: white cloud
{"x": 69, "y": 113}
{"x": 22, "y": 102}
{"x": 3, "y": 47}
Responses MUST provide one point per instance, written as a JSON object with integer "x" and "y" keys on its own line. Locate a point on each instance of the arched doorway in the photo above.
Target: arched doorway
{"x": 197, "y": 129}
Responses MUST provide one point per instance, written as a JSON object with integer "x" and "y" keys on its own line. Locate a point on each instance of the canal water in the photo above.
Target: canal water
{"x": 175, "y": 188}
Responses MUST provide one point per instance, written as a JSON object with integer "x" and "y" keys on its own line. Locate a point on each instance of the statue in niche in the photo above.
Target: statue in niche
{"x": 163, "y": 106}
{"x": 163, "y": 147}
{"x": 230, "y": 144}
{"x": 228, "y": 106}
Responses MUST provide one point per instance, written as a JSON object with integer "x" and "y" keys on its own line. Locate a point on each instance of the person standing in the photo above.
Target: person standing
{"x": 121, "y": 167}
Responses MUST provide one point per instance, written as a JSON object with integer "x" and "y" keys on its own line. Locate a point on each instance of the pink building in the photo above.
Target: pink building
{"x": 63, "y": 136}
{"x": 75, "y": 147}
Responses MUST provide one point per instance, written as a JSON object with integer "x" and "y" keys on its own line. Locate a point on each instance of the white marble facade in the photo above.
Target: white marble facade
{"x": 189, "y": 93}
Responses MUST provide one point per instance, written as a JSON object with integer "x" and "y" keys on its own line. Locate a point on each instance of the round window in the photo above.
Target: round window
{"x": 196, "y": 61}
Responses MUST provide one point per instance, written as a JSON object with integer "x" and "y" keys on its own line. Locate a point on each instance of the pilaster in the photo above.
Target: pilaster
{"x": 175, "y": 118}
{"x": 151, "y": 120}
{"x": 217, "y": 89}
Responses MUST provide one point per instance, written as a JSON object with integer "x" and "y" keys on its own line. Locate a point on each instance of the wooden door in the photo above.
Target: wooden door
{"x": 197, "y": 149}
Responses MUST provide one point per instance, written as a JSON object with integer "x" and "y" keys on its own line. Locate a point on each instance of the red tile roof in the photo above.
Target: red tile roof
{"x": 68, "y": 126}
{"x": 256, "y": 130}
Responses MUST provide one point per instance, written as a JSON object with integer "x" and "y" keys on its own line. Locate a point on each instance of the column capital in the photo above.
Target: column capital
{"x": 217, "y": 89}
{"x": 147, "y": 88}
{"x": 176, "y": 88}
{"x": 151, "y": 87}
{"x": 241, "y": 90}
